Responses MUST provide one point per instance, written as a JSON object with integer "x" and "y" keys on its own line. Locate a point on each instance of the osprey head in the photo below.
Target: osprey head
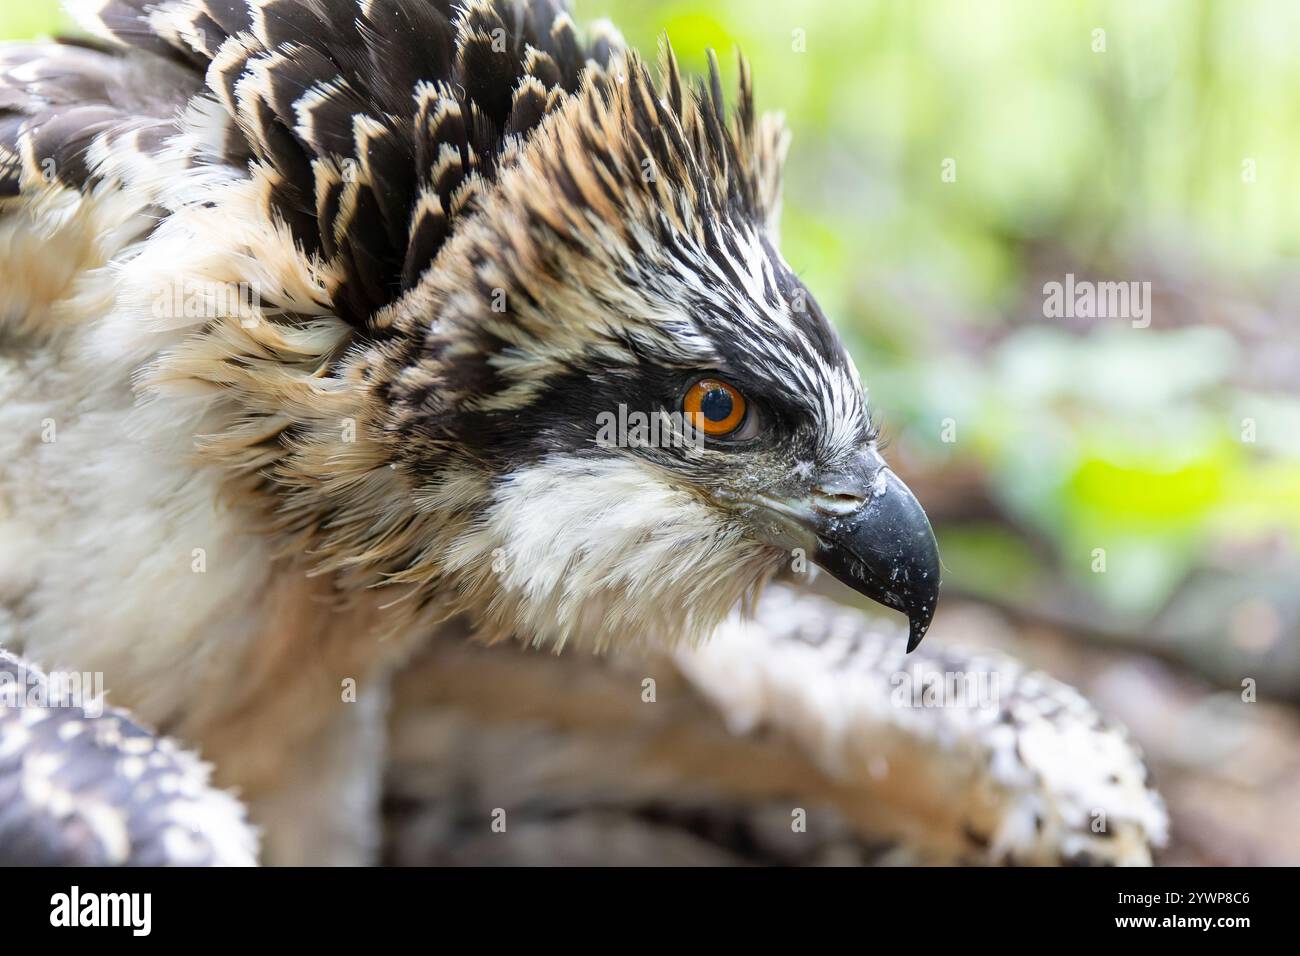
{"x": 638, "y": 410}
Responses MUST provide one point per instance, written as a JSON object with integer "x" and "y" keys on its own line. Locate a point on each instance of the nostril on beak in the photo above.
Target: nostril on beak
{"x": 845, "y": 494}
{"x": 836, "y": 501}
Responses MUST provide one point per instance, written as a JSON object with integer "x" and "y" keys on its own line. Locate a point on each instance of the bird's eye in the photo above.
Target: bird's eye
{"x": 718, "y": 408}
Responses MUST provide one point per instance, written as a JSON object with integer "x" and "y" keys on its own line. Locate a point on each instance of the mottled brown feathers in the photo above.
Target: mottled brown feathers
{"x": 379, "y": 124}
{"x": 377, "y": 120}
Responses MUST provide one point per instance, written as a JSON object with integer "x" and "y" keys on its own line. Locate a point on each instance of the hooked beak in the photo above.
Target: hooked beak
{"x": 863, "y": 525}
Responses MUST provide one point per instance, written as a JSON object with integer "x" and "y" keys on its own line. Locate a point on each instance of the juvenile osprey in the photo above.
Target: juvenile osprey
{"x": 312, "y": 313}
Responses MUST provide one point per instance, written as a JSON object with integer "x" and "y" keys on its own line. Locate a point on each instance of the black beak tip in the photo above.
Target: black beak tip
{"x": 923, "y": 600}
{"x": 918, "y": 627}
{"x": 920, "y": 610}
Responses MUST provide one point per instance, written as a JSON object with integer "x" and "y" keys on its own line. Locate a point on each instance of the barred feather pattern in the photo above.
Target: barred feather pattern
{"x": 375, "y": 125}
{"x": 59, "y": 99}
{"x": 82, "y": 784}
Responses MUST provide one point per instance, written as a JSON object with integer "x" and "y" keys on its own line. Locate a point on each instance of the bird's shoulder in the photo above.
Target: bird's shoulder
{"x": 73, "y": 112}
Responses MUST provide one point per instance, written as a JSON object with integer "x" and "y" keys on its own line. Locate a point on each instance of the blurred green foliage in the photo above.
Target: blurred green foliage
{"x": 1153, "y": 141}
{"x": 23, "y": 20}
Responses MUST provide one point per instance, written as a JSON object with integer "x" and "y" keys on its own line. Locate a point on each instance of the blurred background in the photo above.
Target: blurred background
{"x": 1117, "y": 504}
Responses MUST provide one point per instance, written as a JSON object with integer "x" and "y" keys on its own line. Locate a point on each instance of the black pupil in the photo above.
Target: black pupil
{"x": 716, "y": 405}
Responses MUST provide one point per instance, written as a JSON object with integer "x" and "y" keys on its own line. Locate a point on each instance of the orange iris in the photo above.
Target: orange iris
{"x": 714, "y": 406}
